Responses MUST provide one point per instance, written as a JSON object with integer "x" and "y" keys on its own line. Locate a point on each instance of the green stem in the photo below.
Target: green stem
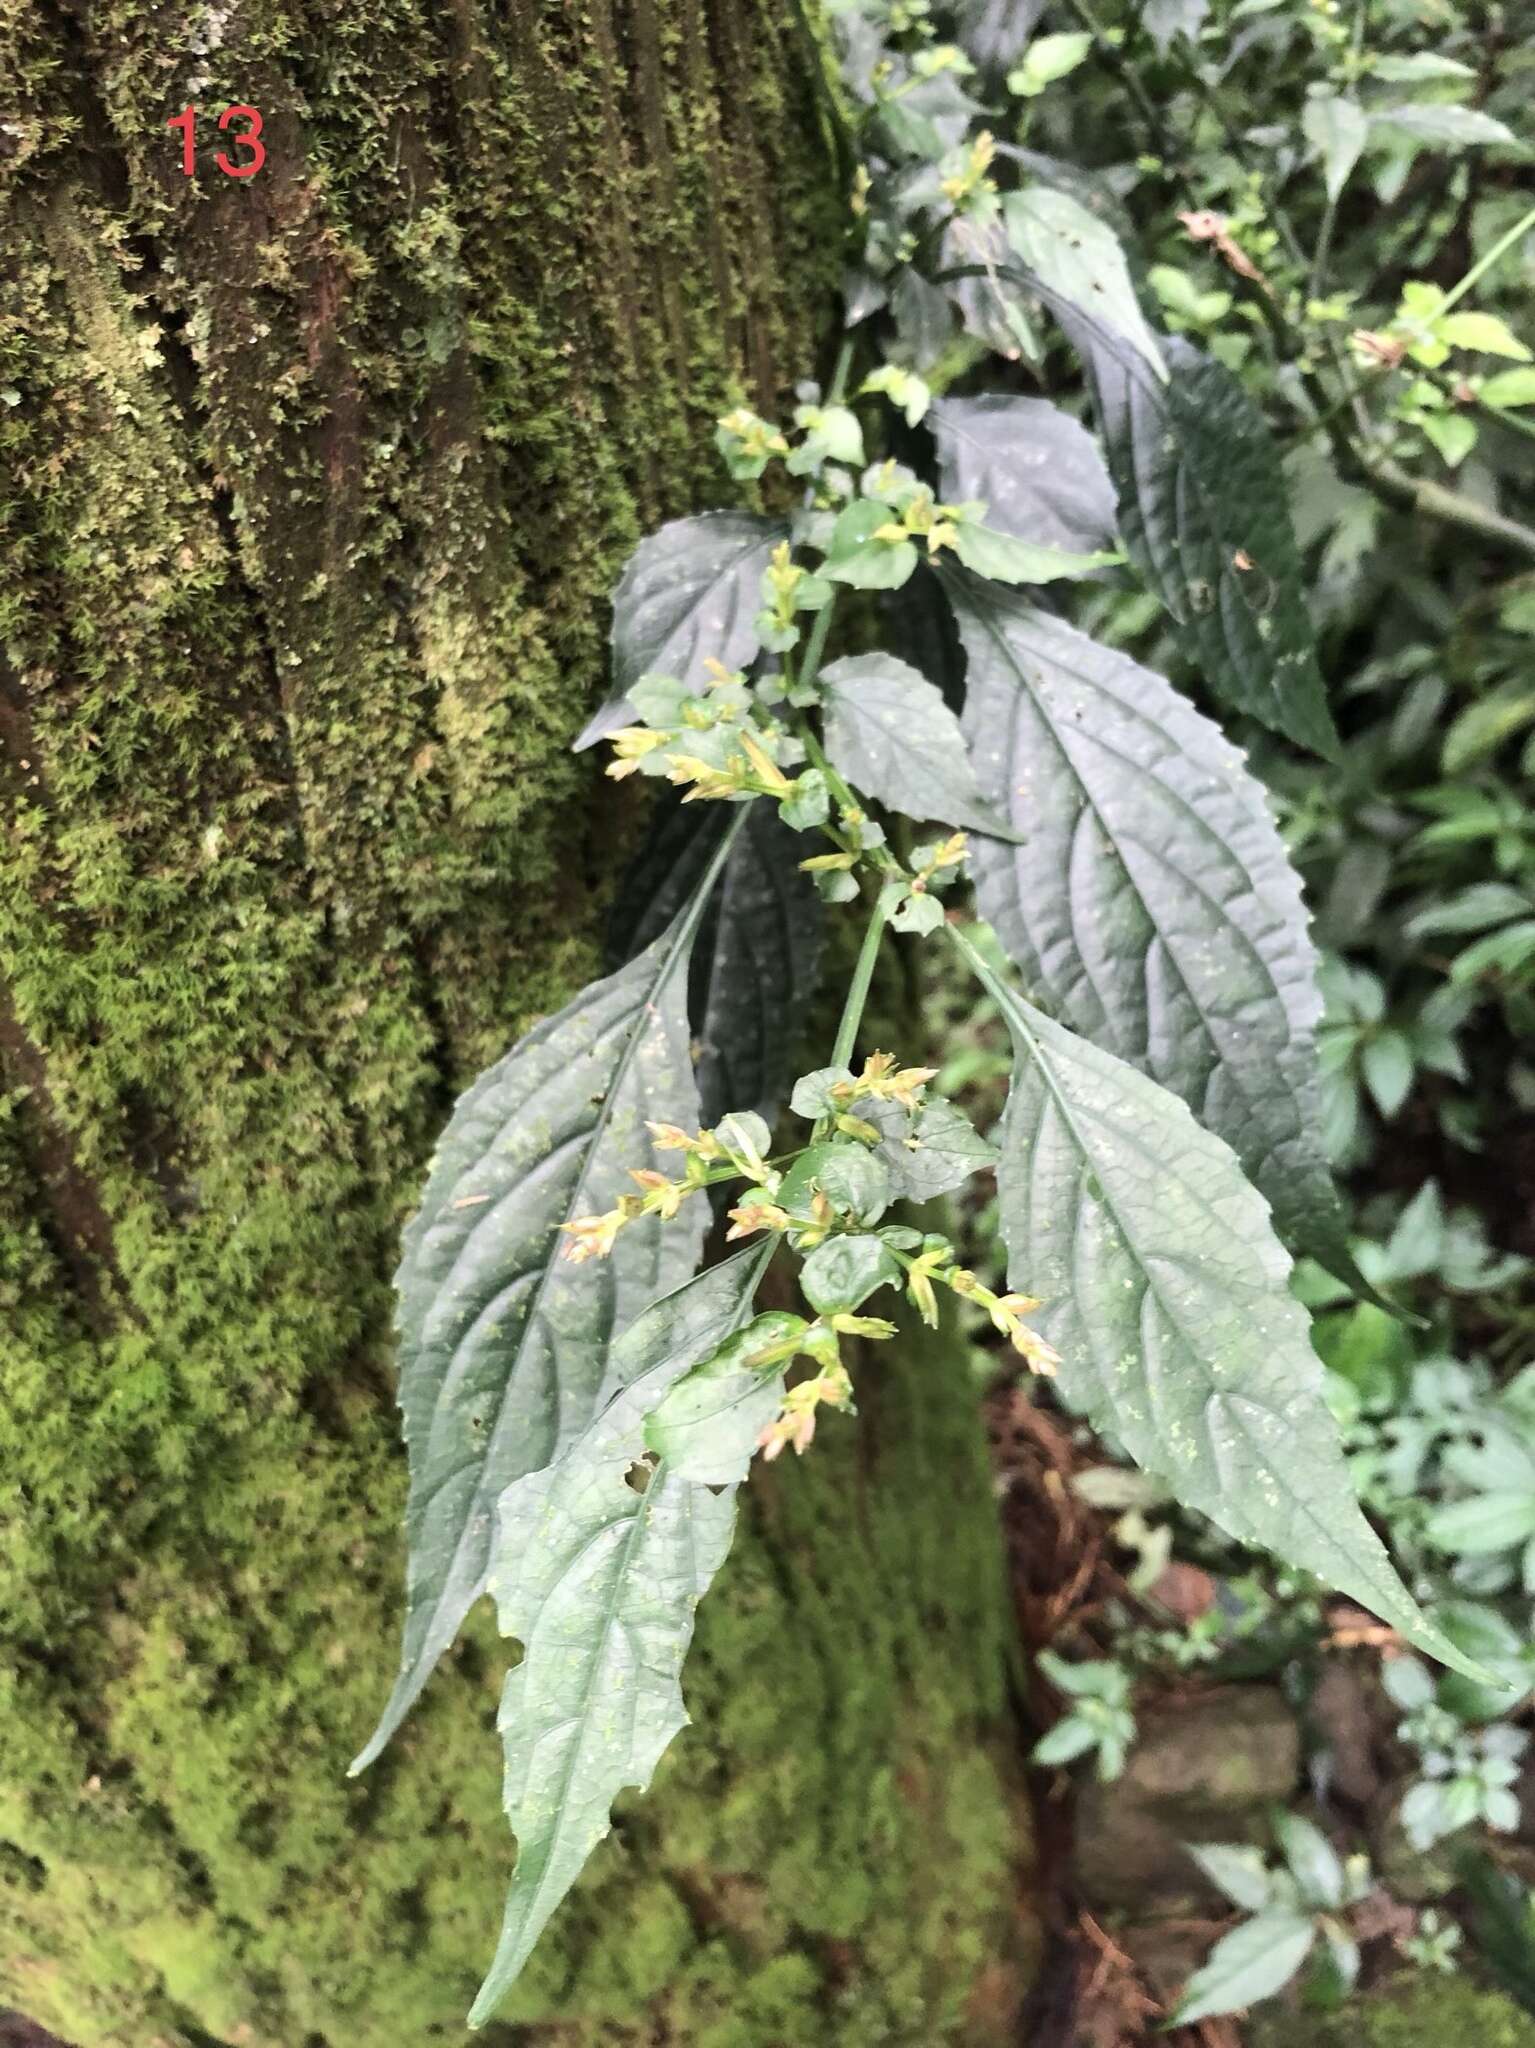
{"x": 1480, "y": 268}
{"x": 815, "y": 646}
{"x": 839, "y": 375}
{"x": 1323, "y": 247}
{"x": 858, "y": 987}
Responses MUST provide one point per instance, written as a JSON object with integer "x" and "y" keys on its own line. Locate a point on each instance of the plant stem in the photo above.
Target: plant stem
{"x": 839, "y": 375}
{"x": 815, "y": 646}
{"x": 858, "y": 987}
{"x": 1480, "y": 268}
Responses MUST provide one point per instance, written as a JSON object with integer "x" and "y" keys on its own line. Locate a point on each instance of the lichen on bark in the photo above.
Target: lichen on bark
{"x": 311, "y": 487}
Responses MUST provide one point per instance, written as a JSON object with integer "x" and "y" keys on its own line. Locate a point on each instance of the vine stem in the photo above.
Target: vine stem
{"x": 1483, "y": 264}
{"x": 858, "y": 987}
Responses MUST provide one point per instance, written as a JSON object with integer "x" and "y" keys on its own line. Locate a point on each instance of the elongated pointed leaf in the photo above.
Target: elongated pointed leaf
{"x": 1204, "y": 515}
{"x": 503, "y": 1341}
{"x": 1149, "y": 898}
{"x": 1038, "y": 470}
{"x": 1078, "y": 256}
{"x": 599, "y": 1582}
{"x": 755, "y": 960}
{"x": 1205, "y": 518}
{"x": 1165, "y": 1293}
{"x": 688, "y": 592}
{"x": 1253, "y": 1961}
{"x": 890, "y": 733}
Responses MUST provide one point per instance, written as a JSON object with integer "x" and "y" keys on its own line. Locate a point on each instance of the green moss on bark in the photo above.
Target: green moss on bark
{"x": 311, "y": 488}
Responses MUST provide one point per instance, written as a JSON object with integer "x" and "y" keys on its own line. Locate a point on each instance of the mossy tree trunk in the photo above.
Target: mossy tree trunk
{"x": 310, "y": 488}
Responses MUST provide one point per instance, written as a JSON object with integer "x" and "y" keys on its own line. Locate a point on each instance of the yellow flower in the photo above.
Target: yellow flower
{"x": 919, "y": 1282}
{"x": 663, "y": 1197}
{"x": 767, "y": 768}
{"x": 709, "y": 783}
{"x": 630, "y": 743}
{"x": 796, "y": 1420}
{"x": 748, "y": 1217}
{"x": 591, "y": 1237}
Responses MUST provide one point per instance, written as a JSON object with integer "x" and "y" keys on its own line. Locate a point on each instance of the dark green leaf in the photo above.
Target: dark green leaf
{"x": 991, "y": 305}
{"x": 599, "y": 1582}
{"x": 1444, "y": 127}
{"x": 1163, "y": 20}
{"x": 890, "y": 733}
{"x": 1205, "y": 519}
{"x": 503, "y": 1341}
{"x": 754, "y": 963}
{"x": 931, "y": 1152}
{"x": 994, "y": 33}
{"x": 841, "y": 1274}
{"x": 707, "y": 1425}
{"x": 855, "y": 556}
{"x": 923, "y": 320}
{"x": 1037, "y": 470}
{"x": 1149, "y": 898}
{"x": 689, "y": 592}
{"x": 1077, "y": 257}
{"x": 1166, "y": 1295}
{"x": 855, "y": 1182}
{"x": 1337, "y": 129}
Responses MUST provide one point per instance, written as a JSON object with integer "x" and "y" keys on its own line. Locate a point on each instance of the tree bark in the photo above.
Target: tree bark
{"x": 311, "y": 488}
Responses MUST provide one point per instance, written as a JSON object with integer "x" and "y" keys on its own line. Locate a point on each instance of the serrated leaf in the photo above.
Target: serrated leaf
{"x": 1338, "y": 130}
{"x": 1447, "y": 127}
{"x": 1250, "y": 1963}
{"x": 689, "y": 592}
{"x": 707, "y": 1424}
{"x": 1205, "y": 519}
{"x": 930, "y": 1152}
{"x": 502, "y": 1340}
{"x": 599, "y": 1582}
{"x": 923, "y": 321}
{"x": 1078, "y": 257}
{"x": 1149, "y": 898}
{"x": 1166, "y": 1295}
{"x": 1038, "y": 471}
{"x": 991, "y": 305}
{"x": 889, "y": 732}
{"x": 755, "y": 961}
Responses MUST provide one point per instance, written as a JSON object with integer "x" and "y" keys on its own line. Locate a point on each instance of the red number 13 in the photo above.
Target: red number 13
{"x": 249, "y": 140}
{"x": 186, "y": 121}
